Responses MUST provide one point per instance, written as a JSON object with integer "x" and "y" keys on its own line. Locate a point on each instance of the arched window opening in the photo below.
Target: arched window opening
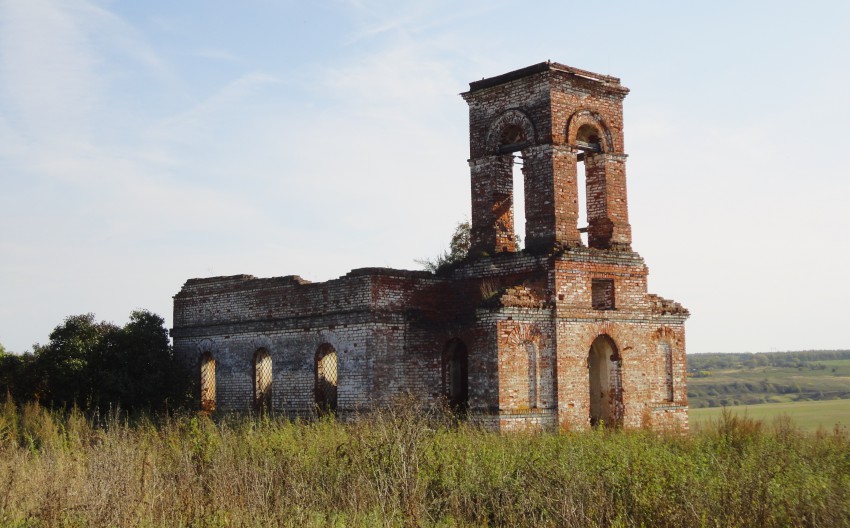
{"x": 666, "y": 351}
{"x": 207, "y": 371}
{"x": 327, "y": 377}
{"x": 606, "y": 393}
{"x": 498, "y": 213}
{"x": 581, "y": 199}
{"x": 519, "y": 186}
{"x": 512, "y": 140}
{"x": 262, "y": 380}
{"x": 592, "y": 177}
{"x": 533, "y": 356}
{"x": 590, "y": 189}
{"x": 456, "y": 375}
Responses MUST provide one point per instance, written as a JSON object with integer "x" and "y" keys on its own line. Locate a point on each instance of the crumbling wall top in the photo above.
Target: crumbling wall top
{"x": 234, "y": 279}
{"x": 388, "y": 272}
{"x": 607, "y": 80}
{"x": 662, "y": 306}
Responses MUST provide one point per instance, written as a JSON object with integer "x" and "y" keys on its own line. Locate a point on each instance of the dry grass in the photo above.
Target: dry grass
{"x": 408, "y": 466}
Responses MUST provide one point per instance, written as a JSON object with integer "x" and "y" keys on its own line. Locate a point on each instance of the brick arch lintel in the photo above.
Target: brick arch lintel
{"x": 508, "y": 118}
{"x": 261, "y": 341}
{"x": 589, "y": 117}
{"x": 665, "y": 333}
{"x": 207, "y": 345}
{"x": 611, "y": 333}
{"x": 525, "y": 333}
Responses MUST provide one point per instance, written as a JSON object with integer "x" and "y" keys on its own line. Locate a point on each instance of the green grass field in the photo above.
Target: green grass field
{"x": 836, "y": 375}
{"x": 808, "y": 415}
{"x": 735, "y": 382}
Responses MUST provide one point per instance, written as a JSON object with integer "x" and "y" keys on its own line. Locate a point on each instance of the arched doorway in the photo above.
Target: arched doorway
{"x": 606, "y": 392}
{"x": 456, "y": 375}
{"x": 207, "y": 371}
{"x": 327, "y": 377}
{"x": 262, "y": 380}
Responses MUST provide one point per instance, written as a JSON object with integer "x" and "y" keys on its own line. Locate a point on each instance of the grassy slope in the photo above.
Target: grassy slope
{"x": 808, "y": 415}
{"x": 741, "y": 382}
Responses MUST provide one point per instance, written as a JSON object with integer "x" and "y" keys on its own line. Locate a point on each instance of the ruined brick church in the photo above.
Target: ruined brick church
{"x": 561, "y": 334}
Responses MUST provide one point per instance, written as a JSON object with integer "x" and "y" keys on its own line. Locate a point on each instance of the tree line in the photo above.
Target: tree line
{"x": 798, "y": 359}
{"x": 98, "y": 365}
{"x": 770, "y": 377}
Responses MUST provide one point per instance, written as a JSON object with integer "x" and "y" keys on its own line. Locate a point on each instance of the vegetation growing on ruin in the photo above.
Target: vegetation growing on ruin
{"x": 408, "y": 467}
{"x": 457, "y": 251}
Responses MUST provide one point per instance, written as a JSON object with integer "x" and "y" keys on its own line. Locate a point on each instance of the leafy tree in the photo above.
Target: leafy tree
{"x": 62, "y": 365}
{"x": 134, "y": 366}
{"x": 9, "y": 365}
{"x": 16, "y": 375}
{"x": 92, "y": 363}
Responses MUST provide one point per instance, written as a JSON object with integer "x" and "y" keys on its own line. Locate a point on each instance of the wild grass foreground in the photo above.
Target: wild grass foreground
{"x": 404, "y": 467}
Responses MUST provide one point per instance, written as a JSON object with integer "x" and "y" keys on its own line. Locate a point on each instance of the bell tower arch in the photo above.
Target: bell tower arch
{"x": 555, "y": 116}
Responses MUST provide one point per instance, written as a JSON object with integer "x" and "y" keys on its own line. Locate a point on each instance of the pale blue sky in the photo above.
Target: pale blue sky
{"x": 143, "y": 143}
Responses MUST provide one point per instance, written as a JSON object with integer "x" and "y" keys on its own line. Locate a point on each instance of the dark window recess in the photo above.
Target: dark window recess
{"x": 602, "y": 294}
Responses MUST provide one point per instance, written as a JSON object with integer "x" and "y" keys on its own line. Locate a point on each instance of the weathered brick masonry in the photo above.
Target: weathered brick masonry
{"x": 560, "y": 334}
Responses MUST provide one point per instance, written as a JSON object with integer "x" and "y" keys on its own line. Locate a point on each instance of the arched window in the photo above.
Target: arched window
{"x": 591, "y": 182}
{"x": 666, "y": 351}
{"x": 207, "y": 371}
{"x": 262, "y": 380}
{"x": 520, "y": 174}
{"x": 533, "y": 374}
{"x": 456, "y": 375}
{"x": 513, "y": 139}
{"x": 603, "y": 217}
{"x": 327, "y": 377}
{"x": 501, "y": 224}
{"x": 606, "y": 392}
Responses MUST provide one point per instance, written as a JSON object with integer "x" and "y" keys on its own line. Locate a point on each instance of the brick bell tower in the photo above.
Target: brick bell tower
{"x": 555, "y": 116}
{"x": 562, "y": 335}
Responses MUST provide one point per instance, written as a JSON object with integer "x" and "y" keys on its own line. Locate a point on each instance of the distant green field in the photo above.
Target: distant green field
{"x": 808, "y": 415}
{"x": 715, "y": 380}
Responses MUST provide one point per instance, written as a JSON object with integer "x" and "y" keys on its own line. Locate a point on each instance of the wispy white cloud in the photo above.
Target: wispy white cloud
{"x": 216, "y": 55}
{"x": 191, "y": 123}
{"x": 58, "y": 64}
{"x": 378, "y": 17}
{"x": 47, "y": 70}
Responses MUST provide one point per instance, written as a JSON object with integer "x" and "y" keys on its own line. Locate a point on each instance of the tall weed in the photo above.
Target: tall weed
{"x": 407, "y": 465}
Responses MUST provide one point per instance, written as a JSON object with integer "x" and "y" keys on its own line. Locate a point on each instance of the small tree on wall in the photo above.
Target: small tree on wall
{"x": 458, "y": 250}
